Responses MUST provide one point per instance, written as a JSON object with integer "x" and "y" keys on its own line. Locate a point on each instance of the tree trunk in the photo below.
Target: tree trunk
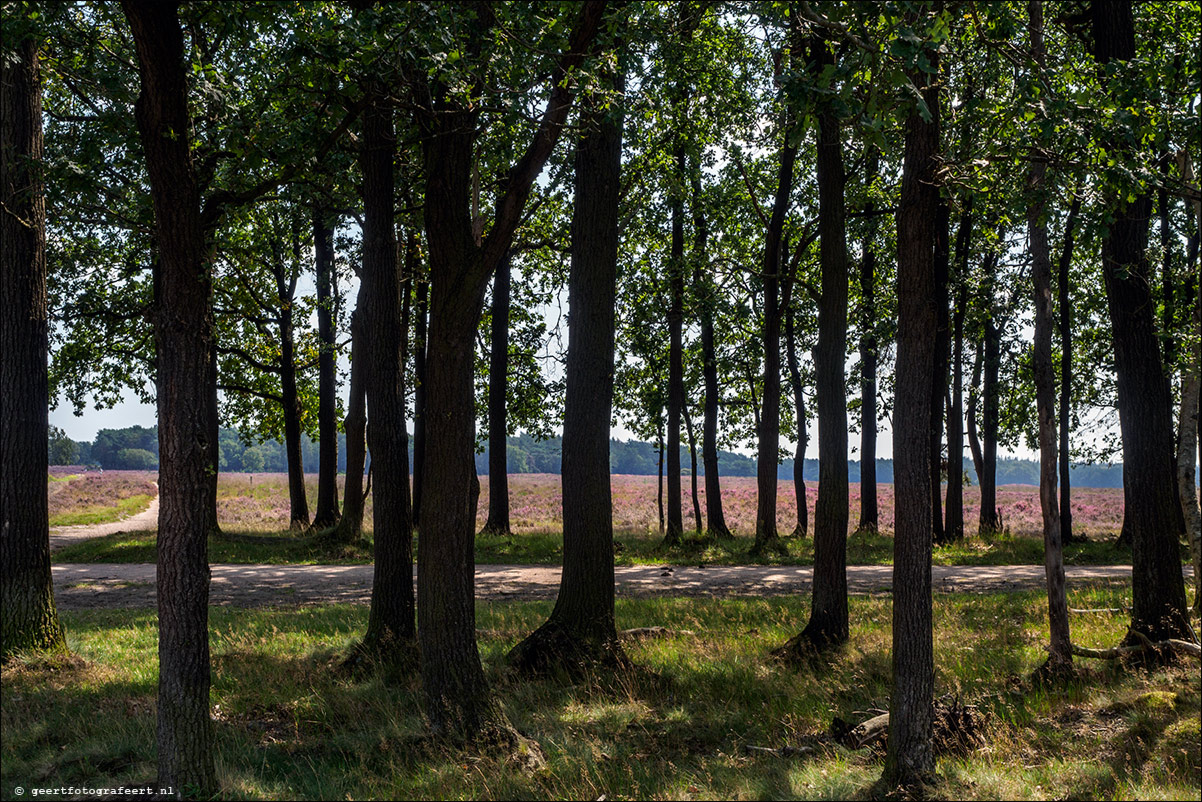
{"x": 327, "y": 383}
{"x": 390, "y": 625}
{"x": 688, "y": 425}
{"x": 828, "y": 624}
{"x": 419, "y": 394}
{"x": 1060, "y": 650}
{"x": 183, "y": 343}
{"x": 970, "y": 418}
{"x": 910, "y": 760}
{"x": 350, "y": 525}
{"x": 498, "y": 427}
{"x": 675, "y": 357}
{"x": 1158, "y": 593}
{"x": 939, "y": 380}
{"x": 767, "y": 458}
{"x": 1187, "y": 430}
{"x": 869, "y": 516}
{"x": 1066, "y": 372}
{"x": 660, "y": 447}
{"x": 799, "y": 408}
{"x": 954, "y": 529}
{"x": 580, "y": 632}
{"x": 990, "y": 521}
{"x": 298, "y": 504}
{"x": 28, "y": 617}
{"x": 715, "y": 520}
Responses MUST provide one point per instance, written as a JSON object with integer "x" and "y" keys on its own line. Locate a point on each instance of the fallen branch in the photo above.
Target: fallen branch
{"x": 1098, "y": 610}
{"x": 784, "y": 751}
{"x": 655, "y": 632}
{"x": 1181, "y": 646}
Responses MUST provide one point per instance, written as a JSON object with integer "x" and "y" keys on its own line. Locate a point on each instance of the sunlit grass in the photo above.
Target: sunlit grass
{"x": 290, "y": 726}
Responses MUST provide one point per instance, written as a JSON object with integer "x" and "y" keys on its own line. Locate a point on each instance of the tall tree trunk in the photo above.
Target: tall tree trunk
{"x": 799, "y": 409}
{"x": 828, "y": 624}
{"x": 327, "y": 384}
{"x": 350, "y": 525}
{"x": 498, "y": 426}
{"x": 869, "y": 515}
{"x": 1066, "y": 371}
{"x": 1158, "y": 593}
{"x": 939, "y": 380}
{"x": 910, "y": 760}
{"x": 298, "y": 504}
{"x": 422, "y": 304}
{"x": 212, "y": 526}
{"x": 715, "y": 520}
{"x": 675, "y": 356}
{"x": 767, "y": 458}
{"x": 183, "y": 344}
{"x": 970, "y": 417}
{"x": 659, "y": 441}
{"x": 1187, "y": 429}
{"x": 581, "y": 630}
{"x": 390, "y": 635}
{"x": 688, "y": 425}
{"x": 1060, "y": 652}
{"x": 28, "y": 616}
{"x": 990, "y": 520}
{"x": 954, "y": 528}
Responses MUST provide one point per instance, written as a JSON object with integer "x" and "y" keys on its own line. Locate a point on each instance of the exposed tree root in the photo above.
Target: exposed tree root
{"x": 654, "y": 632}
{"x": 958, "y": 729}
{"x": 553, "y": 650}
{"x": 1144, "y": 646}
{"x": 396, "y": 659}
{"x": 805, "y": 646}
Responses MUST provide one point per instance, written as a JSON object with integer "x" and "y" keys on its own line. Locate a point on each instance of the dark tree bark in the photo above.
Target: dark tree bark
{"x": 327, "y": 388}
{"x": 828, "y": 624}
{"x": 869, "y": 515}
{"x": 422, "y": 304}
{"x": 581, "y": 632}
{"x": 799, "y": 409}
{"x": 498, "y": 426}
{"x": 290, "y": 400}
{"x": 350, "y": 525}
{"x": 939, "y": 380}
{"x": 1060, "y": 651}
{"x": 910, "y": 760}
{"x": 1158, "y": 592}
{"x": 1066, "y": 371}
{"x": 659, "y": 442}
{"x": 954, "y": 528}
{"x": 28, "y": 617}
{"x": 675, "y": 357}
{"x": 688, "y": 426}
{"x": 390, "y": 632}
{"x": 715, "y": 520}
{"x": 458, "y": 703}
{"x": 184, "y": 341}
{"x": 990, "y": 520}
{"x": 766, "y": 536}
{"x": 970, "y": 416}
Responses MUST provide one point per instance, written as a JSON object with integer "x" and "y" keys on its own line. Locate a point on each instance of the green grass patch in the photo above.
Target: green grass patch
{"x": 546, "y": 548}
{"x": 116, "y": 510}
{"x": 290, "y": 726}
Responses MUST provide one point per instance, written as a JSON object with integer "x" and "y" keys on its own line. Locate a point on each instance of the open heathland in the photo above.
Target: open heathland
{"x": 290, "y": 725}
{"x": 96, "y": 498}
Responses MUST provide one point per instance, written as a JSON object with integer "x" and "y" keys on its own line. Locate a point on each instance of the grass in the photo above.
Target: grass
{"x": 631, "y": 548}
{"x": 95, "y": 498}
{"x": 290, "y": 726}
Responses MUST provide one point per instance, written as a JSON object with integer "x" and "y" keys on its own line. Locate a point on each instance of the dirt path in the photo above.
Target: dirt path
{"x": 145, "y": 521}
{"x": 99, "y": 585}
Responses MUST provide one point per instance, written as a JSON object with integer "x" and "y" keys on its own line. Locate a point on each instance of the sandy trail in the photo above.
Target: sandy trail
{"x": 145, "y": 521}
{"x": 132, "y": 585}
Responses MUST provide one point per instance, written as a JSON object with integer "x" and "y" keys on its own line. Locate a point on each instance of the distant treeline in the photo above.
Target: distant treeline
{"x": 137, "y": 448}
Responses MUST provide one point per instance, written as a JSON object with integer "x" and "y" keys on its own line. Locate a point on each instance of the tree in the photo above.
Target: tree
{"x": 28, "y": 616}
{"x": 580, "y": 632}
{"x": 869, "y": 515}
{"x": 498, "y": 380}
{"x": 326, "y": 514}
{"x": 910, "y": 759}
{"x": 184, "y": 340}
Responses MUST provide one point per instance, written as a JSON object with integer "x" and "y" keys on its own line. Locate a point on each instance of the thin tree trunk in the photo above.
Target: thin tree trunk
{"x": 327, "y": 513}
{"x": 910, "y": 759}
{"x": 939, "y": 380}
{"x": 828, "y": 624}
{"x": 1060, "y": 650}
{"x": 1187, "y": 443}
{"x": 688, "y": 425}
{"x": 990, "y": 520}
{"x": 970, "y": 417}
{"x": 298, "y": 504}
{"x": 498, "y": 426}
{"x": 715, "y": 520}
{"x": 419, "y": 394}
{"x": 1066, "y": 372}
{"x": 675, "y": 357}
{"x": 954, "y": 529}
{"x": 869, "y": 515}
{"x": 799, "y": 408}
{"x": 581, "y": 630}
{"x": 660, "y": 498}
{"x": 1158, "y": 593}
{"x": 350, "y": 525}
{"x": 183, "y": 343}
{"x": 390, "y": 635}
{"x": 28, "y": 617}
